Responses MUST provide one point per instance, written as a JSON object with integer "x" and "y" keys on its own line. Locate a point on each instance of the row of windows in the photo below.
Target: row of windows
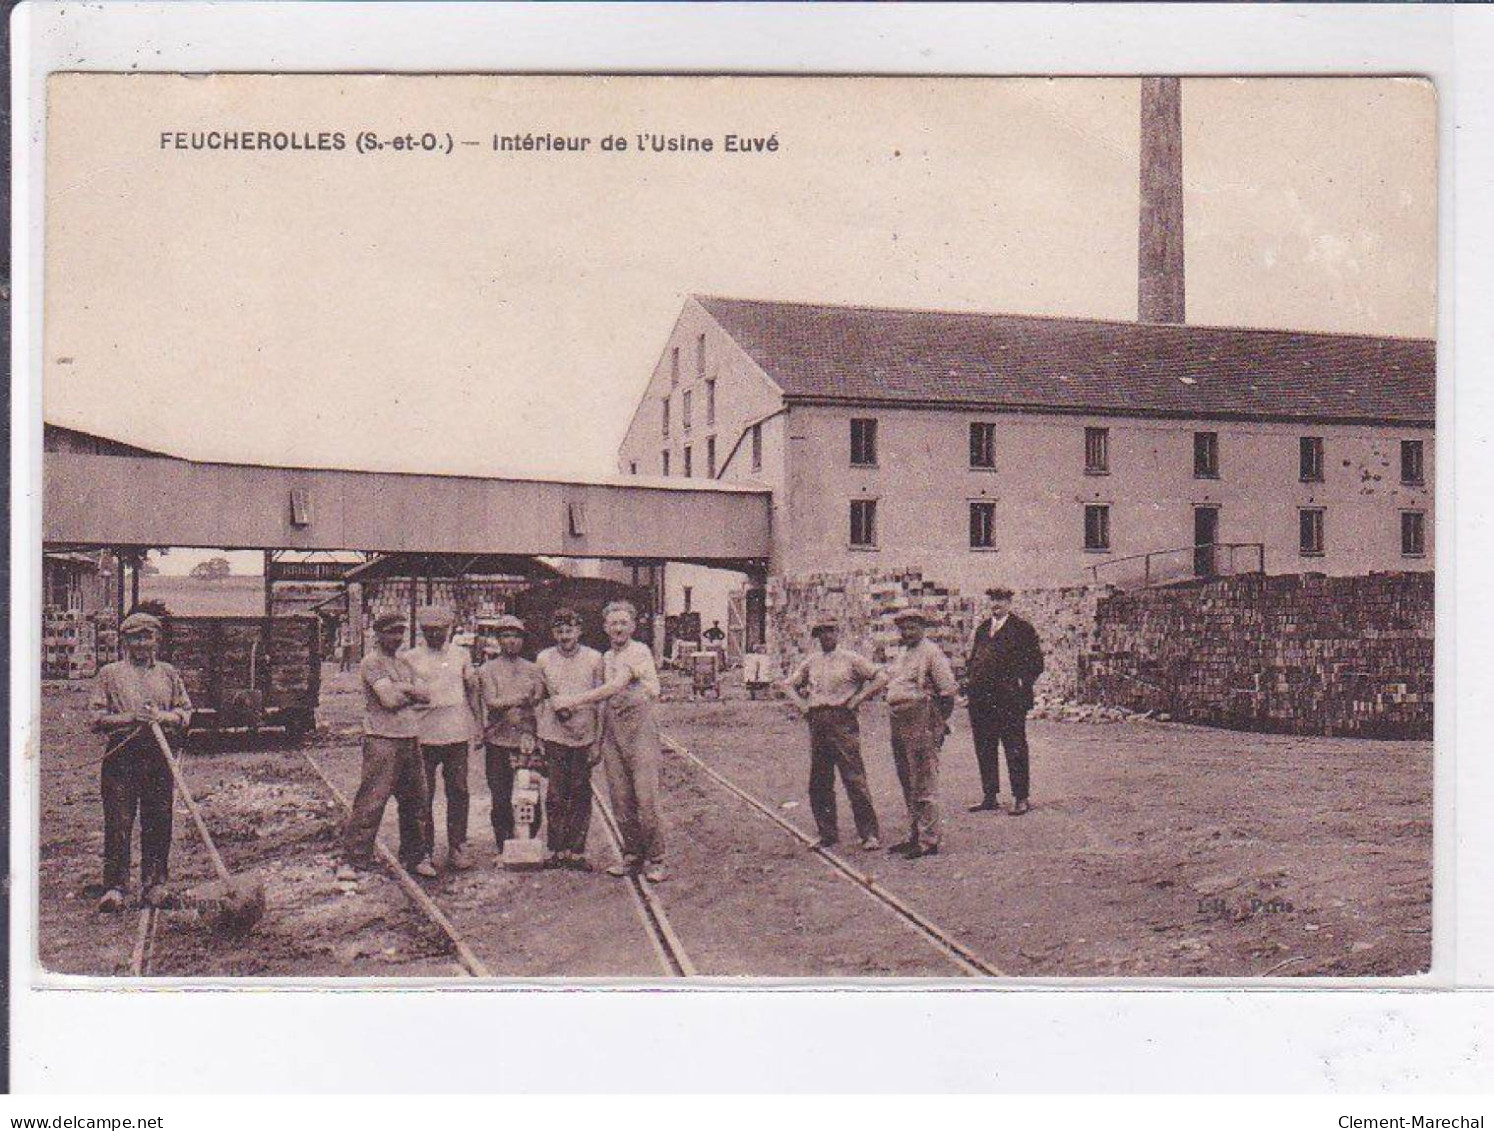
{"x": 1311, "y": 526}
{"x": 687, "y": 408}
{"x": 755, "y": 443}
{"x": 688, "y": 464}
{"x": 1097, "y": 452}
{"x": 700, "y": 360}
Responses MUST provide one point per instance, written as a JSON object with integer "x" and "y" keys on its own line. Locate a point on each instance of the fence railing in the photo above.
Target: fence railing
{"x": 1182, "y": 563}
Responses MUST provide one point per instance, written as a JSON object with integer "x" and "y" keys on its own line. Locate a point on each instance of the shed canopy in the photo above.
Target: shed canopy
{"x": 452, "y": 565}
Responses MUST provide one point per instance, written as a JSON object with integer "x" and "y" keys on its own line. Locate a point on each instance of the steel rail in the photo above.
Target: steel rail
{"x": 417, "y": 895}
{"x": 145, "y": 943}
{"x": 670, "y": 952}
{"x": 966, "y": 960}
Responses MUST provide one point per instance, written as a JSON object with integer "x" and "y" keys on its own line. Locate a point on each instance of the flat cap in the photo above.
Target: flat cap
{"x": 508, "y": 623}
{"x": 434, "y": 616}
{"x": 136, "y": 623}
{"x": 999, "y": 593}
{"x": 910, "y": 614}
{"x": 565, "y": 616}
{"x": 385, "y": 621}
{"x": 824, "y": 624}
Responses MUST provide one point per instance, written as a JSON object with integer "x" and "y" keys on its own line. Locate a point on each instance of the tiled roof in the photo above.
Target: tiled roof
{"x": 1079, "y": 365}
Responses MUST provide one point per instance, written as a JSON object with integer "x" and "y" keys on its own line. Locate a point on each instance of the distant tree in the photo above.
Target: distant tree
{"x": 214, "y": 569}
{"x": 149, "y": 569}
{"x": 154, "y": 607}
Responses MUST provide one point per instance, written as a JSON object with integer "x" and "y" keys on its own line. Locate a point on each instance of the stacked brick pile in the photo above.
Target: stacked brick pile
{"x": 76, "y": 644}
{"x": 864, "y": 603}
{"x": 1302, "y": 654}
{"x": 469, "y": 598}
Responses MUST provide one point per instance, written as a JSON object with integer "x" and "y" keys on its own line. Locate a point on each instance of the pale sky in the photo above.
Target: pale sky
{"x": 486, "y": 312}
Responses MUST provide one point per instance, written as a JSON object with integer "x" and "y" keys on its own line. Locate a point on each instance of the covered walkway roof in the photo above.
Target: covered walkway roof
{"x": 125, "y": 500}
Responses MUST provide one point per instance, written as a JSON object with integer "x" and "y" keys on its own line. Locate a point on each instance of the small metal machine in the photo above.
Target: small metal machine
{"x": 526, "y": 848}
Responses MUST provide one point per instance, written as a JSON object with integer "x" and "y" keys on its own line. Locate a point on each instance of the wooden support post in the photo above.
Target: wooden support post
{"x": 269, "y": 584}
{"x": 414, "y": 594}
{"x": 135, "y": 579}
{"x": 119, "y": 582}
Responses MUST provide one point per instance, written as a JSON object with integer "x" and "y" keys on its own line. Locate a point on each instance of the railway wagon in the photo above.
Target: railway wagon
{"x": 247, "y": 673}
{"x": 587, "y": 596}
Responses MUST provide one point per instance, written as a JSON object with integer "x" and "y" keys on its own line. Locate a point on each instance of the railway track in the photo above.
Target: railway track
{"x": 962, "y": 957}
{"x": 465, "y": 955}
{"x": 667, "y": 947}
{"x": 670, "y": 954}
{"x": 145, "y": 942}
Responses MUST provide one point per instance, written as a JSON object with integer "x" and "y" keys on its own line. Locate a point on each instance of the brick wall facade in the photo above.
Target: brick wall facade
{"x": 1303, "y": 654}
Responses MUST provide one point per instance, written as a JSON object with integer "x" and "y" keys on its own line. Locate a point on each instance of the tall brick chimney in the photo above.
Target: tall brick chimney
{"x": 1161, "y": 244}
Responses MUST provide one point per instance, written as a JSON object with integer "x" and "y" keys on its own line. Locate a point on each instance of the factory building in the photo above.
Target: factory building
{"x": 1048, "y": 452}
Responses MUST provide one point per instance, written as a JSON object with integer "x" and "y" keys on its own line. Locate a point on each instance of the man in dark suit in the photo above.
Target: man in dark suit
{"x": 1005, "y": 661}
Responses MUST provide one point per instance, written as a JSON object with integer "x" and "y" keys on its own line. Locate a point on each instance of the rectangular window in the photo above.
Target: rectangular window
{"x": 1206, "y": 455}
{"x": 687, "y": 461}
{"x": 757, "y": 447}
{"x": 710, "y": 403}
{"x": 863, "y": 522}
{"x": 700, "y": 356}
{"x": 863, "y": 442}
{"x": 711, "y": 458}
{"x": 674, "y": 366}
{"x": 982, "y": 526}
{"x": 1097, "y": 451}
{"x": 1413, "y": 534}
{"x": 1097, "y": 527}
{"x": 1413, "y": 471}
{"x": 1310, "y": 531}
{"x": 664, "y": 461}
{"x": 1311, "y": 459}
{"x": 665, "y": 404}
{"x": 686, "y": 408}
{"x": 982, "y": 444}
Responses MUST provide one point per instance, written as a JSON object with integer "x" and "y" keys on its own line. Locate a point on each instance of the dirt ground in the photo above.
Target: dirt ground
{"x": 1151, "y": 850}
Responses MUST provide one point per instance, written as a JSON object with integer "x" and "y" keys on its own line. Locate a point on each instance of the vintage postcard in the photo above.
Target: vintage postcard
{"x": 610, "y": 528}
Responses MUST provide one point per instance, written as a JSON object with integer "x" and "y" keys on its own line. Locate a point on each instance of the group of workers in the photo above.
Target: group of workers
{"x": 556, "y": 716}
{"x": 559, "y": 716}
{"x": 829, "y": 686}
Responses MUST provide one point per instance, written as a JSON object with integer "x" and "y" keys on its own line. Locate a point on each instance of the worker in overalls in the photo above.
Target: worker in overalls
{"x": 630, "y": 742}
{"x": 921, "y": 692}
{"x": 128, "y": 696}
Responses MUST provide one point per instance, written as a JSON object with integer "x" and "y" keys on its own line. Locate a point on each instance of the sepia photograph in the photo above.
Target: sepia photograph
{"x": 609, "y": 528}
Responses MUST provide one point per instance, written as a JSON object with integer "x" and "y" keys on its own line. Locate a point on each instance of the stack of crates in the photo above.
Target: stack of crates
{"x": 76, "y": 644}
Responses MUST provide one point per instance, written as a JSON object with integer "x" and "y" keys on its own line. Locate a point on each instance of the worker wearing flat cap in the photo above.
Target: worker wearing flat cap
{"x": 828, "y": 688}
{"x": 393, "y": 697}
{"x": 570, "y": 739}
{"x": 1005, "y": 661}
{"x": 921, "y": 691}
{"x": 447, "y": 725}
{"x": 629, "y": 739}
{"x": 510, "y": 688}
{"x": 128, "y": 696}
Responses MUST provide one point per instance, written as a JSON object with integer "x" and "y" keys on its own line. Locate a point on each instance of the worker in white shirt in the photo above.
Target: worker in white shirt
{"x": 446, "y": 725}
